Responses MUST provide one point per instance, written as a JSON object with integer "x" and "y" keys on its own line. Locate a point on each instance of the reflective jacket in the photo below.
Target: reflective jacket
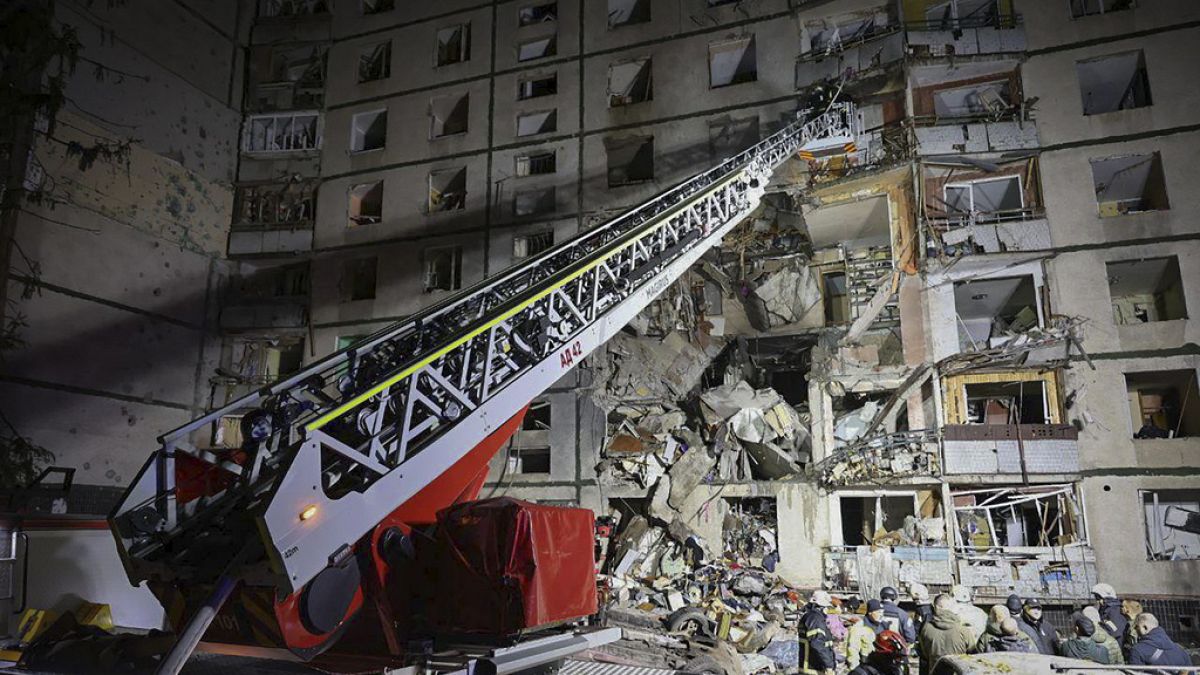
{"x": 1156, "y": 649}
{"x": 898, "y": 620}
{"x": 816, "y": 642}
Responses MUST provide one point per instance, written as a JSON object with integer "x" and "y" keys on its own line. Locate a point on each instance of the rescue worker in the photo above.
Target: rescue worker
{"x": 860, "y": 640}
{"x": 1102, "y": 638}
{"x": 994, "y": 634}
{"x": 1010, "y": 639}
{"x": 875, "y": 618}
{"x": 888, "y": 657}
{"x": 1109, "y": 607}
{"x": 1039, "y": 631}
{"x": 816, "y": 642}
{"x": 1129, "y": 609}
{"x": 973, "y": 618}
{"x": 1081, "y": 645}
{"x": 896, "y": 618}
{"x": 1013, "y": 603}
{"x": 1154, "y": 647}
{"x": 922, "y": 610}
{"x": 945, "y": 634}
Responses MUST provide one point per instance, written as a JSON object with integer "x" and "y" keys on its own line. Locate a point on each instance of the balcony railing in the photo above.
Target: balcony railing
{"x": 249, "y": 240}
{"x": 1010, "y": 449}
{"x": 959, "y": 137}
{"x": 990, "y": 231}
{"x": 290, "y": 9}
{"x": 282, "y": 132}
{"x": 849, "y": 60}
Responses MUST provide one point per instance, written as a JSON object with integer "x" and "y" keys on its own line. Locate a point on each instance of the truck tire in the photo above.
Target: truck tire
{"x": 690, "y": 621}
{"x": 704, "y": 665}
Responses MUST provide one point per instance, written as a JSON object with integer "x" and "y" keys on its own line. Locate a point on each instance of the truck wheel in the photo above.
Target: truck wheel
{"x": 704, "y": 665}
{"x": 690, "y": 621}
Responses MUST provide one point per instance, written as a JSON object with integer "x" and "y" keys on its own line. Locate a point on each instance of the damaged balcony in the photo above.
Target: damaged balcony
{"x": 1006, "y": 424}
{"x": 273, "y": 220}
{"x": 971, "y": 107}
{"x": 963, "y": 27}
{"x": 850, "y": 47}
{"x": 1031, "y": 541}
{"x": 287, "y": 77}
{"x": 267, "y": 298}
{"x": 983, "y": 205}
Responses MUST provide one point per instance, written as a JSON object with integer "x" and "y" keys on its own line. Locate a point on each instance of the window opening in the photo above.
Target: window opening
{"x": 1146, "y": 290}
{"x": 448, "y": 190}
{"x": 732, "y": 63}
{"x": 366, "y": 203}
{"x": 368, "y": 131}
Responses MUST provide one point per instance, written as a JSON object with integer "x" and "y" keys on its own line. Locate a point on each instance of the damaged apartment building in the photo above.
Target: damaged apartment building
{"x": 902, "y": 369}
{"x": 956, "y": 350}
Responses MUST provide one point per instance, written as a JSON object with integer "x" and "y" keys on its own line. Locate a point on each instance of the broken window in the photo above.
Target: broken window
{"x": 1007, "y": 403}
{"x": 1172, "y": 524}
{"x": 629, "y": 83}
{"x": 275, "y": 204}
{"x": 448, "y": 115}
{"x": 990, "y": 310}
{"x": 987, "y": 200}
{"x": 283, "y": 132}
{"x": 1089, "y": 7}
{"x": 1046, "y": 515}
{"x": 534, "y": 123}
{"x": 750, "y": 531}
{"x": 292, "y": 8}
{"x": 986, "y": 98}
{"x": 535, "y": 14}
{"x": 831, "y": 38}
{"x": 866, "y": 518}
{"x": 377, "y": 6}
{"x": 443, "y": 269}
{"x": 539, "y": 85}
{"x": 358, "y": 279}
{"x": 1146, "y": 290}
{"x": 530, "y": 460}
{"x": 728, "y": 137}
{"x": 288, "y": 78}
{"x": 536, "y": 163}
{"x": 627, "y": 12}
{"x": 1163, "y": 403}
{"x": 368, "y": 131}
{"x": 959, "y": 14}
{"x": 531, "y": 443}
{"x": 375, "y": 62}
{"x": 536, "y": 49}
{"x": 533, "y": 202}
{"x": 837, "y": 299}
{"x": 366, "y": 203}
{"x": 1129, "y": 184}
{"x": 732, "y": 63}
{"x": 448, "y": 190}
{"x": 454, "y": 44}
{"x": 630, "y": 160}
{"x": 528, "y": 245}
{"x": 1113, "y": 82}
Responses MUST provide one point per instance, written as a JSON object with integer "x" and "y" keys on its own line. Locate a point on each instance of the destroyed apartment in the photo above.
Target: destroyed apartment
{"x": 774, "y": 296}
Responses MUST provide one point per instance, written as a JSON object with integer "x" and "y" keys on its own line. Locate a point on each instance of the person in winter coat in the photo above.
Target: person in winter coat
{"x": 888, "y": 657}
{"x": 875, "y": 619}
{"x": 1038, "y": 630}
{"x": 1013, "y": 603}
{"x": 923, "y": 610}
{"x": 896, "y": 618}
{"x": 1130, "y": 610}
{"x": 994, "y": 639}
{"x": 1154, "y": 647}
{"x": 816, "y": 642}
{"x": 1109, "y": 607}
{"x": 945, "y": 634}
{"x": 1102, "y": 638}
{"x": 996, "y": 614}
{"x": 1081, "y": 645}
{"x": 860, "y": 640}
{"x": 972, "y": 617}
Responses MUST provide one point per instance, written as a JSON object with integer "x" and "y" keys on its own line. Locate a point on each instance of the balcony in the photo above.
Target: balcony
{"x": 955, "y": 136}
{"x": 1002, "y": 449}
{"x": 273, "y": 219}
{"x": 289, "y": 10}
{"x": 985, "y": 34}
{"x": 265, "y": 314}
{"x": 977, "y": 232}
{"x": 866, "y": 569}
{"x": 850, "y": 58}
{"x": 270, "y": 240}
{"x": 282, "y": 133}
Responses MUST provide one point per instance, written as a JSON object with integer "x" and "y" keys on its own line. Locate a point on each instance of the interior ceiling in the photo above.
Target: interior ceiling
{"x": 849, "y": 222}
{"x": 985, "y": 298}
{"x": 1136, "y": 277}
{"x": 923, "y": 76}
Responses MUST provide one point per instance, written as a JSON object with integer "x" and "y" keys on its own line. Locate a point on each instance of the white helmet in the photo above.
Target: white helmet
{"x": 919, "y": 593}
{"x": 821, "y": 598}
{"x": 1104, "y": 591}
{"x": 960, "y": 593}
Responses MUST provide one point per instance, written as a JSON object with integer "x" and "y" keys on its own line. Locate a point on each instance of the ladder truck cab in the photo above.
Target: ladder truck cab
{"x": 355, "y": 472}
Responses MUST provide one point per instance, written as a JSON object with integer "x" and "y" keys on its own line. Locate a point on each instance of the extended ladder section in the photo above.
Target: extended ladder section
{"x": 332, "y": 450}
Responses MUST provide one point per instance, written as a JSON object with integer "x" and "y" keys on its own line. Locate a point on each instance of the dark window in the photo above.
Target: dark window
{"x": 535, "y": 14}
{"x": 454, "y": 44}
{"x": 540, "y": 85}
{"x": 375, "y": 62}
{"x": 1129, "y": 184}
{"x": 358, "y": 279}
{"x": 1113, "y": 82}
{"x": 1146, "y": 290}
{"x": 630, "y": 160}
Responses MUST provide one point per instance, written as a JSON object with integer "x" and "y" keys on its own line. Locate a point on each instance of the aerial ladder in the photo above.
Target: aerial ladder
{"x": 339, "y": 461}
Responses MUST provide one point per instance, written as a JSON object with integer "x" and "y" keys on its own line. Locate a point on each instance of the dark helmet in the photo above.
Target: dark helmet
{"x": 888, "y": 593}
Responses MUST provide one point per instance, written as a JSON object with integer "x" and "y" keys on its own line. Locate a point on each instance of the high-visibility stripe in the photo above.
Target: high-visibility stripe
{"x": 354, "y": 402}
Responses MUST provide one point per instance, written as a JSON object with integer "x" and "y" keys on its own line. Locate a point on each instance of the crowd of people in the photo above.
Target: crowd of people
{"x": 835, "y": 637}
